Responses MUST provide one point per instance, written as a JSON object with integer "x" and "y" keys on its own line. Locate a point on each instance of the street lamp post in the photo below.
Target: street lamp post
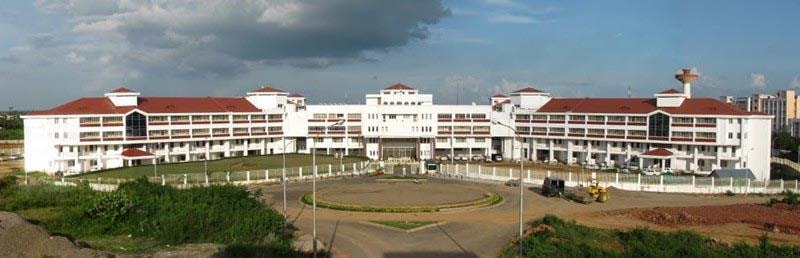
{"x": 521, "y": 164}
{"x": 283, "y": 182}
{"x": 314, "y": 188}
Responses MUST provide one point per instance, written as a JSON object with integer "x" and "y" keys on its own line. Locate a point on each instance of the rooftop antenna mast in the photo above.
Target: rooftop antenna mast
{"x": 458, "y": 85}
{"x": 629, "y": 91}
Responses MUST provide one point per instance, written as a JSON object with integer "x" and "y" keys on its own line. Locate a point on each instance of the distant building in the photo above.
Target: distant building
{"x": 783, "y": 107}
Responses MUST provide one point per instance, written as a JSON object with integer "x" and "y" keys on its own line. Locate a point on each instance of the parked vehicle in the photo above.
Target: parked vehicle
{"x": 651, "y": 172}
{"x": 552, "y": 187}
{"x": 512, "y": 182}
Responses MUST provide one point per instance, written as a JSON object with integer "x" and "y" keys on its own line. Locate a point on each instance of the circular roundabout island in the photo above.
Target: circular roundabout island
{"x": 402, "y": 196}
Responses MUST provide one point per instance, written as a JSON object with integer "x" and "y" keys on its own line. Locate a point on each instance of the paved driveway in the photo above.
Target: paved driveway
{"x": 475, "y": 233}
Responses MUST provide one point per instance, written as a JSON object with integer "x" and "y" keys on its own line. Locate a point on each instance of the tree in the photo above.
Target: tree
{"x": 785, "y": 141}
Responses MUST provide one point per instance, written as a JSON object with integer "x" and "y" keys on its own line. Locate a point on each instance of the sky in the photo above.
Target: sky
{"x": 335, "y": 51}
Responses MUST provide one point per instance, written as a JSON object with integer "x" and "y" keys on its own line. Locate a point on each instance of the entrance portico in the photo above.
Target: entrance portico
{"x": 659, "y": 157}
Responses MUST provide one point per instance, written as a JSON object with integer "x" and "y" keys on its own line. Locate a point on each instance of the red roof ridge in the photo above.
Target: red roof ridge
{"x": 658, "y": 152}
{"x": 268, "y": 89}
{"x": 399, "y": 86}
{"x": 670, "y": 91}
{"x": 528, "y": 90}
{"x": 121, "y": 89}
{"x": 498, "y": 95}
{"x": 133, "y": 152}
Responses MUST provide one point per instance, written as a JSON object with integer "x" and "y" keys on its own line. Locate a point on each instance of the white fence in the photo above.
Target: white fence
{"x": 295, "y": 174}
{"x": 631, "y": 182}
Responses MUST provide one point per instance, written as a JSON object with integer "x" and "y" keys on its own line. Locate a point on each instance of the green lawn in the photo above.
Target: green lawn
{"x": 11, "y": 134}
{"x": 250, "y": 163}
{"x": 405, "y": 225}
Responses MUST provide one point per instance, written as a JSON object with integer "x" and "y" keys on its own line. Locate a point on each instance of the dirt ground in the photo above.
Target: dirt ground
{"x": 484, "y": 232}
{"x": 470, "y": 233}
{"x": 18, "y": 238}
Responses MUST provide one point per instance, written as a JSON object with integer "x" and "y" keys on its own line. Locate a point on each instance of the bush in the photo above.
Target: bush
{"x": 729, "y": 193}
{"x": 223, "y": 214}
{"x": 568, "y": 239}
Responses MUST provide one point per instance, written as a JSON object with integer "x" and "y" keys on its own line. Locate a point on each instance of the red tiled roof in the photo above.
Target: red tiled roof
{"x": 103, "y": 105}
{"x": 267, "y": 89}
{"x": 122, "y": 90}
{"x": 136, "y": 153}
{"x": 660, "y": 152}
{"x": 528, "y": 90}
{"x": 296, "y": 95}
{"x": 670, "y": 91}
{"x": 498, "y": 95}
{"x": 694, "y": 106}
{"x": 399, "y": 86}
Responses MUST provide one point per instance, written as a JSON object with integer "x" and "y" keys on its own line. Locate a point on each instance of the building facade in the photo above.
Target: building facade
{"x": 671, "y": 131}
{"x": 784, "y": 106}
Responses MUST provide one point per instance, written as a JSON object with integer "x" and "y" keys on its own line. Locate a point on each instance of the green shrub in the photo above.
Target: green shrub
{"x": 729, "y": 193}
{"x": 568, "y": 239}
{"x": 223, "y": 214}
{"x": 7, "y": 182}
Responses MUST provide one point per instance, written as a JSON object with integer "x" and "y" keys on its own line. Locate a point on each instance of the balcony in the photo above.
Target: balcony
{"x": 241, "y": 121}
{"x": 90, "y": 139}
{"x": 93, "y": 124}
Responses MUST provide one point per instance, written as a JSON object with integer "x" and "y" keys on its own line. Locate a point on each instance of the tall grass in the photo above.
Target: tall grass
{"x": 568, "y": 239}
{"x": 223, "y": 214}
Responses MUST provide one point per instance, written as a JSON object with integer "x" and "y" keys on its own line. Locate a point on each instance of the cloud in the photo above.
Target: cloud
{"x": 505, "y": 86}
{"x": 758, "y": 80}
{"x": 466, "y": 83}
{"x": 795, "y": 83}
{"x": 75, "y": 58}
{"x": 500, "y": 2}
{"x": 511, "y": 18}
{"x": 227, "y": 37}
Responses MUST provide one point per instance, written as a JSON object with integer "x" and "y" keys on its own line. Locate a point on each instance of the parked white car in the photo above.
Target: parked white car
{"x": 651, "y": 172}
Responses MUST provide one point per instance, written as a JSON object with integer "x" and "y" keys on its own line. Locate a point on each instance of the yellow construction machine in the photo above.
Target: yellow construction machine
{"x": 597, "y": 192}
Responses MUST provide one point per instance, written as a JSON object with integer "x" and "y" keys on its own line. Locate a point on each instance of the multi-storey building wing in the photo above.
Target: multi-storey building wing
{"x": 672, "y": 130}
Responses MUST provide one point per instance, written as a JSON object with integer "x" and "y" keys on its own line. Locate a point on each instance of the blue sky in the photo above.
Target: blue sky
{"x": 52, "y": 51}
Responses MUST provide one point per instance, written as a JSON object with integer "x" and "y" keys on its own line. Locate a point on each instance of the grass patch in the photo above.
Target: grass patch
{"x": 251, "y": 163}
{"x": 488, "y": 200}
{"x": 142, "y": 217}
{"x": 404, "y": 225}
{"x": 559, "y": 238}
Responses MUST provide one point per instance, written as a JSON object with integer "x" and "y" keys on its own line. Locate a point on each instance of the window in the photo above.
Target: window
{"x": 658, "y": 125}
{"x": 480, "y": 139}
{"x": 319, "y": 139}
{"x": 338, "y": 139}
{"x": 461, "y": 140}
{"x": 136, "y": 125}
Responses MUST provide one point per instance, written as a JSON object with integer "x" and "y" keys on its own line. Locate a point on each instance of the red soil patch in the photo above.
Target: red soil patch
{"x": 780, "y": 217}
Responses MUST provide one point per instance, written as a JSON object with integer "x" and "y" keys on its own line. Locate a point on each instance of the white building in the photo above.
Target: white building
{"x": 671, "y": 130}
